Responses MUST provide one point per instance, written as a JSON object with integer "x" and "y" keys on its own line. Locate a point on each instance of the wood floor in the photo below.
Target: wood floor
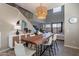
{"x": 63, "y": 51}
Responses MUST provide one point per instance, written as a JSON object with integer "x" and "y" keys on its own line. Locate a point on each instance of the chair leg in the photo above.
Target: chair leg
{"x": 54, "y": 48}
{"x": 44, "y": 49}
{"x": 49, "y": 51}
{"x": 57, "y": 45}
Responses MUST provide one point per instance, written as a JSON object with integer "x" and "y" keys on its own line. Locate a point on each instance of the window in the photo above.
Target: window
{"x": 53, "y": 27}
{"x": 57, "y": 25}
{"x": 48, "y": 25}
{"x": 58, "y": 9}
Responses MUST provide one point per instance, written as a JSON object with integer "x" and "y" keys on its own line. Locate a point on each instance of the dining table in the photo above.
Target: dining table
{"x": 36, "y": 40}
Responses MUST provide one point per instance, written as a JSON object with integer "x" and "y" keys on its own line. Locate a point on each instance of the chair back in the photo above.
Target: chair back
{"x": 49, "y": 41}
{"x": 54, "y": 37}
{"x": 19, "y": 49}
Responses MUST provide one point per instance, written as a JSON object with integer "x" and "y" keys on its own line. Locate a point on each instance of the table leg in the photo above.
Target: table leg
{"x": 40, "y": 49}
{"x": 36, "y": 50}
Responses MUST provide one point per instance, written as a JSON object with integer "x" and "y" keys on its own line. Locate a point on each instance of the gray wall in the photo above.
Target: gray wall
{"x": 55, "y": 17}
{"x": 71, "y": 30}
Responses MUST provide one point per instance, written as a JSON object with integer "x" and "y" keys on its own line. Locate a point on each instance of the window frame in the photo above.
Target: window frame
{"x": 57, "y": 9}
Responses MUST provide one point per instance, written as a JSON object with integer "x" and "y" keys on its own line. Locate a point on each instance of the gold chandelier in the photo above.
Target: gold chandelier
{"x": 41, "y": 12}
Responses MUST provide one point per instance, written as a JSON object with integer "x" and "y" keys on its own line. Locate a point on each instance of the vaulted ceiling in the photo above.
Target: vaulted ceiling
{"x": 32, "y": 6}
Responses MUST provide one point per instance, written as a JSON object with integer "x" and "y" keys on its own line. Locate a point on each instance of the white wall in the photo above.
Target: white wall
{"x": 8, "y": 18}
{"x": 71, "y": 30}
{"x": 0, "y": 39}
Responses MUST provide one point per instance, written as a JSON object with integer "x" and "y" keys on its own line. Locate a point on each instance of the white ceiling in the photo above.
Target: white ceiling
{"x": 32, "y": 6}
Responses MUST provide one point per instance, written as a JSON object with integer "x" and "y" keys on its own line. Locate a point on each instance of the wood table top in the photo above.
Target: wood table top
{"x": 37, "y": 39}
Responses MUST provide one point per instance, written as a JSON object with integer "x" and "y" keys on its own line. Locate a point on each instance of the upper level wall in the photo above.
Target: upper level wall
{"x": 55, "y": 17}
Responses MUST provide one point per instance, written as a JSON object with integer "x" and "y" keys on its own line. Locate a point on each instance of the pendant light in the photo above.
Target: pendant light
{"x": 41, "y": 12}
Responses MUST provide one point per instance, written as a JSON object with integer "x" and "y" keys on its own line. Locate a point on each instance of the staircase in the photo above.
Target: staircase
{"x": 26, "y": 13}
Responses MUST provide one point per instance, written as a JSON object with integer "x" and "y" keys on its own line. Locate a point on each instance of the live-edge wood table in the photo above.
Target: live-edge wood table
{"x": 36, "y": 40}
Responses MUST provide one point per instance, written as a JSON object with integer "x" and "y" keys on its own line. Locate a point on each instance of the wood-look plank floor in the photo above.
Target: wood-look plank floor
{"x": 63, "y": 51}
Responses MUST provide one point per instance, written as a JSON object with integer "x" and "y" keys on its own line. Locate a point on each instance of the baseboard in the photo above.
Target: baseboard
{"x": 5, "y": 50}
{"x": 61, "y": 39}
{"x": 71, "y": 47}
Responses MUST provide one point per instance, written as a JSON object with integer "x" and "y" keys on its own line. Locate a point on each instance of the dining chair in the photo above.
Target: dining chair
{"x": 48, "y": 45}
{"x": 55, "y": 44}
{"x": 20, "y": 50}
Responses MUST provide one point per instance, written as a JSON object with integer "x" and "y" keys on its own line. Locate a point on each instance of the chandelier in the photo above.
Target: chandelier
{"x": 41, "y": 12}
